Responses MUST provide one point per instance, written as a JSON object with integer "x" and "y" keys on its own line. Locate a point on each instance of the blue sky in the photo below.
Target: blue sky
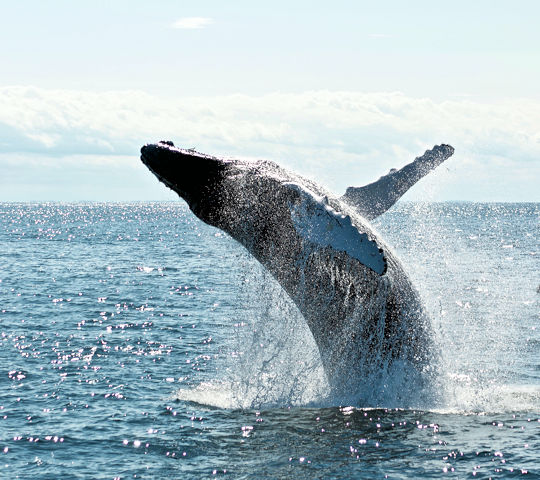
{"x": 339, "y": 91}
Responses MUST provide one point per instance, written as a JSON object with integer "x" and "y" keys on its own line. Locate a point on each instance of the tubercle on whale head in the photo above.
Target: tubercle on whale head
{"x": 192, "y": 175}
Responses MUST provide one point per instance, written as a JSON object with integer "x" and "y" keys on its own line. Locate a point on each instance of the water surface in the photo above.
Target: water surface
{"x": 137, "y": 342}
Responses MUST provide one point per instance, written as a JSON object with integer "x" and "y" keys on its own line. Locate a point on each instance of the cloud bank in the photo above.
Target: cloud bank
{"x": 332, "y": 136}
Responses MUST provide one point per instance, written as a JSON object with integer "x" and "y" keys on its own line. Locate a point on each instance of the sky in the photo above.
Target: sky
{"x": 338, "y": 91}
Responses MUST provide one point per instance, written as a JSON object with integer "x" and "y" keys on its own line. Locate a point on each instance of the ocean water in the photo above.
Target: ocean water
{"x": 137, "y": 342}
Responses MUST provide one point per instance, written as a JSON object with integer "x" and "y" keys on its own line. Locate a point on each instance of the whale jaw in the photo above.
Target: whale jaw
{"x": 184, "y": 171}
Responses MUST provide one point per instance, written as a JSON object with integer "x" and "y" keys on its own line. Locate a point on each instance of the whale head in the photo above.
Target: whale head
{"x": 261, "y": 204}
{"x": 218, "y": 189}
{"x": 194, "y": 176}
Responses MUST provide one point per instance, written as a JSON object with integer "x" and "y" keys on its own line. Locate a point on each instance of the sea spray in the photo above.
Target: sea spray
{"x": 274, "y": 361}
{"x": 466, "y": 247}
{"x": 278, "y": 362}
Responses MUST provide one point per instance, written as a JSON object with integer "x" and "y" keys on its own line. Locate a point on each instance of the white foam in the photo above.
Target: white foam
{"x": 215, "y": 394}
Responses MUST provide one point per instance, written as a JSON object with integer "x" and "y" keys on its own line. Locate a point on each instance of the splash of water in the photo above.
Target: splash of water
{"x": 276, "y": 361}
{"x": 273, "y": 360}
{"x": 477, "y": 319}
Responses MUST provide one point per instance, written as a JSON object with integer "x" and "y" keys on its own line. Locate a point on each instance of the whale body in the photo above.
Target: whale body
{"x": 352, "y": 290}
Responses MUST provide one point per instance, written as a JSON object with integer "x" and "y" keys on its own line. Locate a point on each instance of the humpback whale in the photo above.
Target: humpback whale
{"x": 352, "y": 290}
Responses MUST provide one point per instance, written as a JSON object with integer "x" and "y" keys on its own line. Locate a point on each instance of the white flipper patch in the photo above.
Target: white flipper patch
{"x": 318, "y": 223}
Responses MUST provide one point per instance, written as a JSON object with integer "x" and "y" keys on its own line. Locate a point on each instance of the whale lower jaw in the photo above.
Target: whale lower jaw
{"x": 161, "y": 178}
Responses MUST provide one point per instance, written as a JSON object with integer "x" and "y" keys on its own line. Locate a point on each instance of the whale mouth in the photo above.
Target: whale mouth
{"x": 185, "y": 171}
{"x": 156, "y": 157}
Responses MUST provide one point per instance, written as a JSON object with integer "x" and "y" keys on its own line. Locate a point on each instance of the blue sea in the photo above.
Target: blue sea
{"x": 138, "y": 342}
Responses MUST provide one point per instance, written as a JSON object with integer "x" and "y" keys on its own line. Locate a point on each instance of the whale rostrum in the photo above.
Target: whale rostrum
{"x": 352, "y": 290}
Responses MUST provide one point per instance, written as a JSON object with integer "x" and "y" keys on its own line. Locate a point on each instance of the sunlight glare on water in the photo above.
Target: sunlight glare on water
{"x": 136, "y": 342}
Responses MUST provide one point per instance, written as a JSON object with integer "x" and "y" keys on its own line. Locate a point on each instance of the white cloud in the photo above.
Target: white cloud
{"x": 340, "y": 138}
{"x": 193, "y": 22}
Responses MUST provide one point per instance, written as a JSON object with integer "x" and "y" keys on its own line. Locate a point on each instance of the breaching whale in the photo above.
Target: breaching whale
{"x": 352, "y": 290}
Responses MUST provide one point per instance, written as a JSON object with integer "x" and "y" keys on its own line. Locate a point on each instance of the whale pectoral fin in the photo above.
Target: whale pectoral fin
{"x": 321, "y": 227}
{"x": 376, "y": 198}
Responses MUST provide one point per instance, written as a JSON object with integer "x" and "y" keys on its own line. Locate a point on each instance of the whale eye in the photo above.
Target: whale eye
{"x": 167, "y": 142}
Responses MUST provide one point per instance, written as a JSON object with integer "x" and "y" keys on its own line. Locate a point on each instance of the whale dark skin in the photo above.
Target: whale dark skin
{"x": 352, "y": 290}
